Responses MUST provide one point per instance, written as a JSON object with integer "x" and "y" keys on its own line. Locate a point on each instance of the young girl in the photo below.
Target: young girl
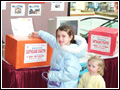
{"x": 93, "y": 78}
{"x": 64, "y": 67}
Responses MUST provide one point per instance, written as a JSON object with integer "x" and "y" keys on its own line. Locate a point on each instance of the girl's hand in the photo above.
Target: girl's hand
{"x": 35, "y": 34}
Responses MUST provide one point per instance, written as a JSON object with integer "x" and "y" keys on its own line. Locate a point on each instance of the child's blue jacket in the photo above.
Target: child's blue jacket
{"x": 64, "y": 66}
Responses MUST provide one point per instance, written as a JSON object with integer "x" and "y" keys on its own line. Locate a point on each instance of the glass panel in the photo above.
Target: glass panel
{"x": 112, "y": 24}
{"x": 94, "y": 22}
{"x": 85, "y": 26}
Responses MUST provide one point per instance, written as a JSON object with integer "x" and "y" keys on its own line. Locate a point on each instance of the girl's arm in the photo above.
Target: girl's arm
{"x": 50, "y": 39}
{"x": 101, "y": 83}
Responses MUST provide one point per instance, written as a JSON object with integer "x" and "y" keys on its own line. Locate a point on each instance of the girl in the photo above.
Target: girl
{"x": 93, "y": 78}
{"x": 64, "y": 67}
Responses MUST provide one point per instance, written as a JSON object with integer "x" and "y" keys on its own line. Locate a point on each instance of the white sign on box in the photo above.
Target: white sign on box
{"x": 35, "y": 53}
{"x": 100, "y": 43}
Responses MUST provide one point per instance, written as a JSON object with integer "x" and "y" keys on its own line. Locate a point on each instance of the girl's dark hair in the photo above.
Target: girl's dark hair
{"x": 69, "y": 30}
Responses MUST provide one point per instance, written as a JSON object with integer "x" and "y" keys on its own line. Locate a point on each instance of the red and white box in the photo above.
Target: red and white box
{"x": 24, "y": 52}
{"x": 103, "y": 40}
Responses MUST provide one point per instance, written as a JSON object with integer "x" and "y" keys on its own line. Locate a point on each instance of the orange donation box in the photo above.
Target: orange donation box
{"x": 103, "y": 40}
{"x": 23, "y": 52}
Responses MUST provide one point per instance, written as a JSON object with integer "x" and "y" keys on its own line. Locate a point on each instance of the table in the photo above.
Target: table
{"x": 111, "y": 72}
{"x": 31, "y": 77}
{"x": 22, "y": 78}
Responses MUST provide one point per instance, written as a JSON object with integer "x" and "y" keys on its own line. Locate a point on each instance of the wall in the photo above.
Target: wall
{"x": 39, "y": 22}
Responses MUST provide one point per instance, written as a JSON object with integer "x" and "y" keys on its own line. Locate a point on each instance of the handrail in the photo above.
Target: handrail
{"x": 114, "y": 20}
{"x": 100, "y": 18}
{"x": 109, "y": 20}
{"x": 109, "y": 24}
{"x": 95, "y": 18}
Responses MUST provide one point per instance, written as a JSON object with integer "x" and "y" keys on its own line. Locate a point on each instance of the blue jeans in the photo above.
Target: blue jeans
{"x": 99, "y": 6}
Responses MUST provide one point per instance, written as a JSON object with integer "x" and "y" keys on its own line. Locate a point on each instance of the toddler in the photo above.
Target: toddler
{"x": 93, "y": 78}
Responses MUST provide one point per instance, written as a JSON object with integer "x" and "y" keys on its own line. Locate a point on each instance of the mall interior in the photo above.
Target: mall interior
{"x": 95, "y": 21}
{"x": 97, "y": 10}
{"x": 102, "y": 8}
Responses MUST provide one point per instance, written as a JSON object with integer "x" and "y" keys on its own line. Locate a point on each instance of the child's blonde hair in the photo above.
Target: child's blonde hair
{"x": 101, "y": 63}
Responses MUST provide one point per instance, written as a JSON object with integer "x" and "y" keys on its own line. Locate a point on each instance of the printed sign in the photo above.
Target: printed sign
{"x": 100, "y": 43}
{"x": 57, "y": 6}
{"x": 34, "y": 10}
{"x": 35, "y": 53}
{"x": 17, "y": 9}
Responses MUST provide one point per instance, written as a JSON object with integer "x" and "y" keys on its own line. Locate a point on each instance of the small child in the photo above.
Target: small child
{"x": 93, "y": 78}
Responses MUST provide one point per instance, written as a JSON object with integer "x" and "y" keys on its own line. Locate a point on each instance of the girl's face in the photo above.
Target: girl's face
{"x": 93, "y": 67}
{"x": 63, "y": 38}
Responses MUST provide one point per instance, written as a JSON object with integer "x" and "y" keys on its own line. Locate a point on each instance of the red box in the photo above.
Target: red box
{"x": 103, "y": 40}
{"x": 24, "y": 52}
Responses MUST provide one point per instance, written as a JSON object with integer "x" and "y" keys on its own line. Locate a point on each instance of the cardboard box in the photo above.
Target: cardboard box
{"x": 24, "y": 52}
{"x": 103, "y": 40}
